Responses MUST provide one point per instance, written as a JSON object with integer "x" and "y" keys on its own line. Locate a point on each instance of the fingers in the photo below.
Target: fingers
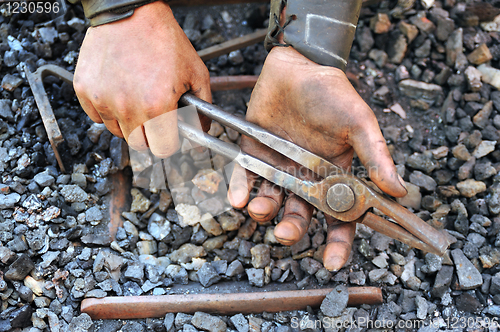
{"x": 295, "y": 222}
{"x": 162, "y": 134}
{"x": 266, "y": 205}
{"x": 89, "y": 109}
{"x": 339, "y": 240}
{"x": 137, "y": 139}
{"x": 201, "y": 89}
{"x": 369, "y": 144}
{"x": 241, "y": 184}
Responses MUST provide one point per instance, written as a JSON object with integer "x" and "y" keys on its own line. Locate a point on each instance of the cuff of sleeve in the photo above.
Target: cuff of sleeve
{"x": 106, "y": 11}
{"x": 320, "y": 30}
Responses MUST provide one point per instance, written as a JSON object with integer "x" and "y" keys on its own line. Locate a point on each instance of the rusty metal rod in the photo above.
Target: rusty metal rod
{"x": 35, "y": 81}
{"x": 135, "y": 307}
{"x": 232, "y": 45}
{"x": 222, "y": 83}
{"x": 119, "y": 201}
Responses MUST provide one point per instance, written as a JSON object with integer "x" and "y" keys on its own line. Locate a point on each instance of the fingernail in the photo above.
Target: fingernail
{"x": 402, "y": 182}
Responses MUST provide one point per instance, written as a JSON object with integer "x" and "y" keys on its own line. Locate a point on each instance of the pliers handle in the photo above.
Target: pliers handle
{"x": 340, "y": 194}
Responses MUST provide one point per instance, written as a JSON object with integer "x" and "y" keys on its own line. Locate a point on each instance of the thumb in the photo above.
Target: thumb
{"x": 369, "y": 143}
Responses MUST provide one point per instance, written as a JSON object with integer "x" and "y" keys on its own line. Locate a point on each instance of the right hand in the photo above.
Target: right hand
{"x": 135, "y": 70}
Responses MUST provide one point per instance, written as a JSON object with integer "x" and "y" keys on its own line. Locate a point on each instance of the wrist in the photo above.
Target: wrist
{"x": 322, "y": 31}
{"x": 101, "y": 12}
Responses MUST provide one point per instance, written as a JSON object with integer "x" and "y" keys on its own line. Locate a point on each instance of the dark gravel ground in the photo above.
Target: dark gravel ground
{"x": 426, "y": 68}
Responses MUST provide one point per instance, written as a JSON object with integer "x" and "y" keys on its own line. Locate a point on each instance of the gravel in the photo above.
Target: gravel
{"x": 433, "y": 67}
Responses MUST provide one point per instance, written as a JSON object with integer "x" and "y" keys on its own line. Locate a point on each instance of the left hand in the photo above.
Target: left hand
{"x": 317, "y": 108}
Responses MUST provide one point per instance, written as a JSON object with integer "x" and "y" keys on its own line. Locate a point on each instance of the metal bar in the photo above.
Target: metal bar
{"x": 296, "y": 153}
{"x": 394, "y": 231}
{"x": 420, "y": 229}
{"x": 232, "y": 45}
{"x": 223, "y": 83}
{"x": 259, "y": 167}
{"x": 119, "y": 201}
{"x": 135, "y": 307}
{"x": 35, "y": 81}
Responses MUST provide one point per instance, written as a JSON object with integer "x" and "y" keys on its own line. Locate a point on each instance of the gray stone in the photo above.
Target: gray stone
{"x": 134, "y": 271}
{"x": 186, "y": 253}
{"x": 468, "y": 276}
{"x": 93, "y": 214}
{"x": 158, "y": 227}
{"x": 234, "y": 269}
{"x": 256, "y": 277}
{"x": 208, "y": 322}
{"x": 433, "y": 263}
{"x": 495, "y": 285}
{"x": 240, "y": 323}
{"x": 380, "y": 241}
{"x": 182, "y": 319}
{"x": 357, "y": 278}
{"x": 10, "y": 59}
{"x": 9, "y": 201}
{"x": 335, "y": 302}
{"x": 261, "y": 255}
{"x": 5, "y": 110}
{"x": 11, "y": 82}
{"x": 6, "y": 255}
{"x": 429, "y": 93}
{"x": 73, "y": 193}
{"x": 168, "y": 322}
{"x": 207, "y": 275}
{"x": 178, "y": 274}
{"x": 82, "y": 323}
{"x": 483, "y": 171}
{"x": 235, "y": 57}
{"x": 422, "y": 307}
{"x": 454, "y": 47}
{"x": 118, "y": 151}
{"x": 189, "y": 327}
{"x": 323, "y": 276}
{"x": 20, "y": 268}
{"x": 396, "y": 48}
{"x": 424, "y": 181}
{"x": 97, "y": 293}
{"x": 422, "y": 162}
{"x": 445, "y": 27}
{"x": 377, "y": 275}
{"x": 310, "y": 265}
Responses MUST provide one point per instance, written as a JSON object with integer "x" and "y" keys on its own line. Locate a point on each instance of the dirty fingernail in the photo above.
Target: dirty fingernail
{"x": 402, "y": 182}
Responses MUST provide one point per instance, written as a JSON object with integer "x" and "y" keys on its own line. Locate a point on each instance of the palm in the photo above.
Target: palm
{"x": 317, "y": 108}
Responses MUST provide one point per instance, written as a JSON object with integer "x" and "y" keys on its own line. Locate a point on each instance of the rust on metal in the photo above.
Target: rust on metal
{"x": 135, "y": 307}
{"x": 35, "y": 81}
{"x": 407, "y": 227}
{"x": 119, "y": 202}
{"x": 232, "y": 45}
{"x": 222, "y": 83}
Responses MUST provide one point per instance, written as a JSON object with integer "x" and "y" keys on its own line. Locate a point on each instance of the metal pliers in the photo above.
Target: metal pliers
{"x": 340, "y": 194}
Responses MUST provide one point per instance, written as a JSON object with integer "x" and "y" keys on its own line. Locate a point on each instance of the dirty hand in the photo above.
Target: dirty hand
{"x": 317, "y": 108}
{"x": 135, "y": 70}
